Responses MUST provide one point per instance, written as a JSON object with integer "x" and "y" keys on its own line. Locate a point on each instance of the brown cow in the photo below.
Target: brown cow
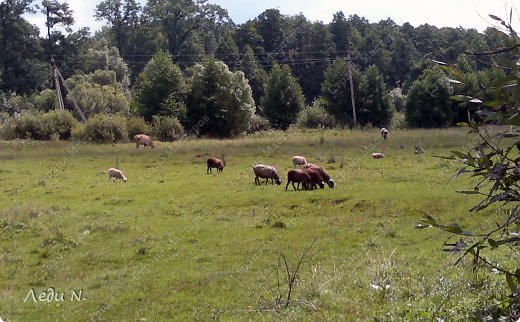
{"x": 143, "y": 139}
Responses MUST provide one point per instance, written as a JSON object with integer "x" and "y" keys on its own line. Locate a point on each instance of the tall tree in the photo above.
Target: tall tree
{"x": 428, "y": 103}
{"x": 121, "y": 15}
{"x": 228, "y": 52}
{"x": 179, "y": 20}
{"x": 21, "y": 70}
{"x": 336, "y": 92}
{"x": 56, "y": 14}
{"x": 221, "y": 96}
{"x": 160, "y": 88}
{"x": 272, "y": 26}
{"x": 311, "y": 48}
{"x": 255, "y": 75}
{"x": 339, "y": 28}
{"x": 373, "y": 104}
{"x": 283, "y": 97}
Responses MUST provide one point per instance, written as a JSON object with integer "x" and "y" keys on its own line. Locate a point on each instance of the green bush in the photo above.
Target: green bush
{"x": 30, "y": 126}
{"x": 258, "y": 123}
{"x": 78, "y": 132}
{"x": 167, "y": 128}
{"x": 136, "y": 125}
{"x": 315, "y": 116}
{"x": 45, "y": 101}
{"x": 7, "y": 130}
{"x": 104, "y": 128}
{"x": 58, "y": 124}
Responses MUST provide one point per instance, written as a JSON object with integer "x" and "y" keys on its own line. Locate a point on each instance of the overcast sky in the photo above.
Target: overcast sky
{"x": 441, "y": 13}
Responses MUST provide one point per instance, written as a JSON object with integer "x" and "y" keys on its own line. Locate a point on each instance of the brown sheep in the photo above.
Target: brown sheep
{"x": 321, "y": 171}
{"x": 143, "y": 139}
{"x": 299, "y": 160}
{"x": 116, "y": 174}
{"x": 267, "y": 172}
{"x": 316, "y": 178}
{"x": 215, "y": 163}
{"x": 298, "y": 175}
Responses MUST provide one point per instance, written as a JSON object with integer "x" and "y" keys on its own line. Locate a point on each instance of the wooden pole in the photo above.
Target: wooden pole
{"x": 76, "y": 106}
{"x": 352, "y": 90}
{"x": 57, "y": 87}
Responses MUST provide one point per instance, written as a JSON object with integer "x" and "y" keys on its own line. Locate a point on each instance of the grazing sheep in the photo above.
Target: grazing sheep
{"x": 316, "y": 179}
{"x": 143, "y": 139}
{"x": 116, "y": 174}
{"x": 215, "y": 163}
{"x": 298, "y": 160}
{"x": 267, "y": 172}
{"x": 298, "y": 175}
{"x": 378, "y": 155}
{"x": 384, "y": 133}
{"x": 321, "y": 171}
{"x": 418, "y": 150}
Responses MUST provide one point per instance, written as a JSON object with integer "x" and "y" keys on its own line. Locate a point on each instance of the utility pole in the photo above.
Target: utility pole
{"x": 352, "y": 90}
{"x": 76, "y": 106}
{"x": 57, "y": 84}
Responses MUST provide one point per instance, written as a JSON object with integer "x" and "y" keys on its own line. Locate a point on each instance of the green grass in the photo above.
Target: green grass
{"x": 176, "y": 244}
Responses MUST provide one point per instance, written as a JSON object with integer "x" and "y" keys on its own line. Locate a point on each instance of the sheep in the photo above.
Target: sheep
{"x": 267, "y": 172}
{"x": 298, "y": 160}
{"x": 378, "y": 155}
{"x": 321, "y": 171}
{"x": 418, "y": 150}
{"x": 215, "y": 163}
{"x": 143, "y": 139}
{"x": 298, "y": 175}
{"x": 384, "y": 133}
{"x": 316, "y": 178}
{"x": 116, "y": 174}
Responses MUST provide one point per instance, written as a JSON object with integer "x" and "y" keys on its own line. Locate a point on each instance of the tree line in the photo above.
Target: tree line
{"x": 186, "y": 59}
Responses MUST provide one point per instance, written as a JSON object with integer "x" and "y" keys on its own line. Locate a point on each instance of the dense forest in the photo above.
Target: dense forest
{"x": 164, "y": 67}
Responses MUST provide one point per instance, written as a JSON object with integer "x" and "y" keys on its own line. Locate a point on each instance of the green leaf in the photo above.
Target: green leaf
{"x": 461, "y": 98}
{"x": 511, "y": 282}
{"x": 453, "y": 228}
{"x": 463, "y": 124}
{"x": 469, "y": 192}
{"x": 454, "y": 81}
{"x": 429, "y": 219}
{"x": 495, "y": 18}
{"x": 505, "y": 62}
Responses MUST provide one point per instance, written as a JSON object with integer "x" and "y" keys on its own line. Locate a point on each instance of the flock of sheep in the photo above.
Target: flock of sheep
{"x": 310, "y": 175}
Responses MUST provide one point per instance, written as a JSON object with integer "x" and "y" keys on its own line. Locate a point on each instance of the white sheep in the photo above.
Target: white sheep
{"x": 267, "y": 172}
{"x": 116, "y": 174}
{"x": 384, "y": 133}
{"x": 378, "y": 155}
{"x": 299, "y": 160}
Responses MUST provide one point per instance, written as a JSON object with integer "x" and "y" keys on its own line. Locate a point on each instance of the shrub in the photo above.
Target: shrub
{"x": 166, "y": 128}
{"x": 104, "y": 128}
{"x": 29, "y": 126}
{"x": 315, "y": 116}
{"x": 258, "y": 123}
{"x": 136, "y": 125}
{"x": 78, "y": 132}
{"x": 58, "y": 124}
{"x": 7, "y": 130}
{"x": 45, "y": 101}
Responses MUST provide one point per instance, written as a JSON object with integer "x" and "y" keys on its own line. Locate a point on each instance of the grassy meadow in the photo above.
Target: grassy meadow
{"x": 176, "y": 244}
